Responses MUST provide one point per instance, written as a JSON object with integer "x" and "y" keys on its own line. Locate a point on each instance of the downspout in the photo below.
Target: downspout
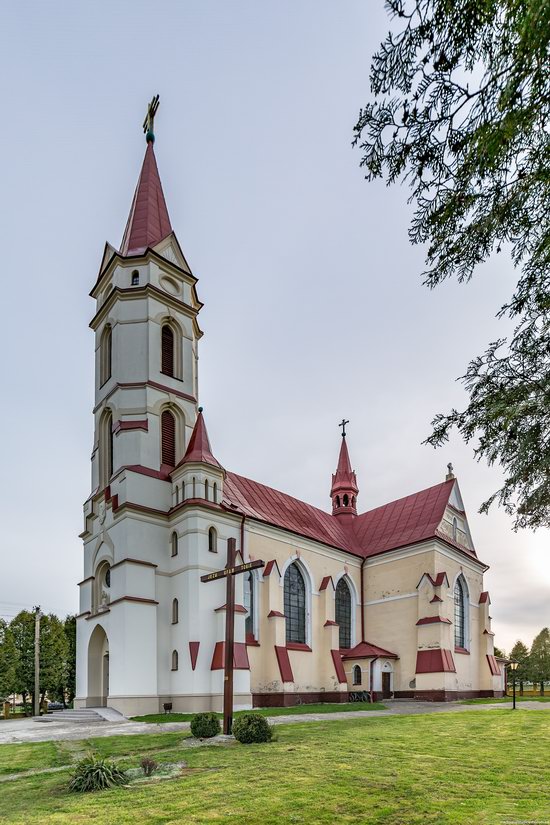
{"x": 363, "y": 602}
{"x": 371, "y": 679}
{"x": 242, "y": 536}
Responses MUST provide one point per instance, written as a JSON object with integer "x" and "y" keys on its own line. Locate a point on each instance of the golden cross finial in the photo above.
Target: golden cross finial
{"x": 342, "y": 424}
{"x": 149, "y": 122}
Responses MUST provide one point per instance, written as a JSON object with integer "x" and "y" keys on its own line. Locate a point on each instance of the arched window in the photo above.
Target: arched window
{"x": 212, "y": 540}
{"x": 105, "y": 448}
{"x": 175, "y": 659}
{"x": 175, "y": 612}
{"x": 461, "y": 608}
{"x": 135, "y": 277}
{"x": 346, "y": 499}
{"x": 105, "y": 355}
{"x": 167, "y": 350}
{"x": 206, "y": 489}
{"x": 215, "y": 493}
{"x": 356, "y": 675}
{"x": 168, "y": 438}
{"x": 455, "y": 526}
{"x": 343, "y": 612}
{"x": 174, "y": 544}
{"x": 295, "y": 604}
{"x": 337, "y": 501}
{"x": 248, "y": 600}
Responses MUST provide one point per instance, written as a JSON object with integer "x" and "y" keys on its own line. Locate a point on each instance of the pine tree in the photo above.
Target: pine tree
{"x": 520, "y": 653}
{"x": 539, "y": 659}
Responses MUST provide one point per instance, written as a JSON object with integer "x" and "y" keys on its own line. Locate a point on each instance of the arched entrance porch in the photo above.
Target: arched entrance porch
{"x": 98, "y": 668}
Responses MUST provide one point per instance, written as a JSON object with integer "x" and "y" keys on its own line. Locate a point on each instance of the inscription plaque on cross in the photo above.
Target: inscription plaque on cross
{"x": 229, "y": 572}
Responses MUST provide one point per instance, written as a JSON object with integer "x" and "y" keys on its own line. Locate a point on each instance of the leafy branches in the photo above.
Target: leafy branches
{"x": 462, "y": 113}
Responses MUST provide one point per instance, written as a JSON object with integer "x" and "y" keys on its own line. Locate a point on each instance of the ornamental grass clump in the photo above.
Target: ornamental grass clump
{"x": 96, "y": 774}
{"x": 251, "y": 727}
{"x": 205, "y": 725}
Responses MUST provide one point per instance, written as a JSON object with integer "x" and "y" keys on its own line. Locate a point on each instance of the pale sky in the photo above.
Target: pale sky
{"x": 314, "y": 306}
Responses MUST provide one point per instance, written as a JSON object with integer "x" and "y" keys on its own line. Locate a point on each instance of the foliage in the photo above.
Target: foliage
{"x": 520, "y": 653}
{"x": 251, "y": 727}
{"x": 205, "y": 725}
{"x": 7, "y": 661}
{"x": 94, "y": 773}
{"x": 22, "y": 629}
{"x": 462, "y": 114}
{"x": 539, "y": 658}
{"x": 148, "y": 765}
{"x": 500, "y": 653}
{"x": 55, "y": 653}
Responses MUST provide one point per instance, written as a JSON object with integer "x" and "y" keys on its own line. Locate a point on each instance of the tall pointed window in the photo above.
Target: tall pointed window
{"x": 248, "y": 600}
{"x": 295, "y": 604}
{"x": 175, "y": 660}
{"x": 461, "y": 608}
{"x": 167, "y": 350}
{"x": 343, "y": 612}
{"x": 212, "y": 540}
{"x": 356, "y": 675}
{"x": 168, "y": 439}
{"x": 174, "y": 544}
{"x": 175, "y": 612}
{"x": 105, "y": 355}
{"x": 105, "y": 448}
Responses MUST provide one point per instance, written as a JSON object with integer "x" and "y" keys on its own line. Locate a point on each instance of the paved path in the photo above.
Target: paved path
{"x": 27, "y": 730}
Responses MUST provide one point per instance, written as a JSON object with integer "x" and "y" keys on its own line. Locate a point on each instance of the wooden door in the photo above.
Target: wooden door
{"x": 386, "y": 685}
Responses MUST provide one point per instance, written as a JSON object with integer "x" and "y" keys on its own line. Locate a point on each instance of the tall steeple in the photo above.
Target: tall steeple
{"x": 344, "y": 488}
{"x": 148, "y": 221}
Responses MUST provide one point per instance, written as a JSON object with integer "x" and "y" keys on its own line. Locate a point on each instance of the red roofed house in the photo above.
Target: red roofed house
{"x": 388, "y": 601}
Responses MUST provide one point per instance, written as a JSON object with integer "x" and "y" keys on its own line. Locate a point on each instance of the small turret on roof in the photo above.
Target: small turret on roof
{"x": 344, "y": 482}
{"x": 199, "y": 450}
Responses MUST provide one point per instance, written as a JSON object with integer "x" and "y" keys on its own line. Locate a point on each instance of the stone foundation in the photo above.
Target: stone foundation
{"x": 446, "y": 695}
{"x": 288, "y": 700}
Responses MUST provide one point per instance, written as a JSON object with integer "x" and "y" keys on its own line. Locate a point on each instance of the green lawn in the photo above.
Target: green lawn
{"x": 322, "y": 707}
{"x": 437, "y": 769}
{"x": 505, "y": 699}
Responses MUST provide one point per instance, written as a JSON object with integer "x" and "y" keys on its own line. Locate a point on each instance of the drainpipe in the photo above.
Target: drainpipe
{"x": 371, "y": 679}
{"x": 242, "y": 536}
{"x": 362, "y": 602}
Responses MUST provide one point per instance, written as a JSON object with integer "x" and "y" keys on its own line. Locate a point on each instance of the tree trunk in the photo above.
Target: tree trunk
{"x": 521, "y": 688}
{"x": 542, "y": 688}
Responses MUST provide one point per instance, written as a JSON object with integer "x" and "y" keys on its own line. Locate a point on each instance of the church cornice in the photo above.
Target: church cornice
{"x": 132, "y": 385}
{"x": 142, "y": 258}
{"x": 138, "y": 293}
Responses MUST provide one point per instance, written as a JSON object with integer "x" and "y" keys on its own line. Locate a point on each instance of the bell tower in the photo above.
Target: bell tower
{"x": 344, "y": 488}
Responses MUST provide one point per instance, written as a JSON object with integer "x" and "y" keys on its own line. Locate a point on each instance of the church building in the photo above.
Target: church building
{"x": 388, "y": 602}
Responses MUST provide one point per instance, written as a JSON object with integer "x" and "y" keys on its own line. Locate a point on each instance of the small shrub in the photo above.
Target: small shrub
{"x": 205, "y": 725}
{"x": 95, "y": 774}
{"x": 148, "y": 766}
{"x": 251, "y": 727}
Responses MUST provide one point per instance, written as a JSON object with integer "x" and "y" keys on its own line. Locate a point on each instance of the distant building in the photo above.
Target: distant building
{"x": 388, "y": 601}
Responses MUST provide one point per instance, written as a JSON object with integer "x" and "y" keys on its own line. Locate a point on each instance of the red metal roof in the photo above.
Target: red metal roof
{"x": 148, "y": 221}
{"x": 397, "y": 524}
{"x": 405, "y": 521}
{"x": 273, "y": 507}
{"x": 364, "y": 650}
{"x": 199, "y": 448}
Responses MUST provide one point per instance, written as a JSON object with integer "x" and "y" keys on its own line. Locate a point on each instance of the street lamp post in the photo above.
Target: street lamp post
{"x": 513, "y": 667}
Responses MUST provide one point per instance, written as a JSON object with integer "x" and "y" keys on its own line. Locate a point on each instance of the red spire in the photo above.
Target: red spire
{"x": 198, "y": 449}
{"x": 148, "y": 221}
{"x": 344, "y": 485}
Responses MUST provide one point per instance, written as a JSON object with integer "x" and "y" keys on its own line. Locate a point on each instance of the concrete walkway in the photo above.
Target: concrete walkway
{"x": 27, "y": 730}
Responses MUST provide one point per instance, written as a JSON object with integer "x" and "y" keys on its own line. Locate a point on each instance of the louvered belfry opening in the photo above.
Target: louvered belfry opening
{"x": 167, "y": 365}
{"x": 168, "y": 435}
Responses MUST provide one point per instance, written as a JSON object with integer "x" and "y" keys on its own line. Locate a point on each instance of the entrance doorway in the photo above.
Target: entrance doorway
{"x": 98, "y": 669}
{"x": 386, "y": 685}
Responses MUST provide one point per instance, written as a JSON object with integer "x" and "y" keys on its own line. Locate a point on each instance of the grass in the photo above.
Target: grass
{"x": 322, "y": 707}
{"x": 505, "y": 699}
{"x": 437, "y": 769}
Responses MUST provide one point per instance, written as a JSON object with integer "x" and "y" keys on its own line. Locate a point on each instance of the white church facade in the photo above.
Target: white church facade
{"x": 389, "y": 601}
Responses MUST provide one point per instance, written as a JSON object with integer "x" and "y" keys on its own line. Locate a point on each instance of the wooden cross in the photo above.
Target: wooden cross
{"x": 229, "y": 572}
{"x": 342, "y": 424}
{"x": 149, "y": 122}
